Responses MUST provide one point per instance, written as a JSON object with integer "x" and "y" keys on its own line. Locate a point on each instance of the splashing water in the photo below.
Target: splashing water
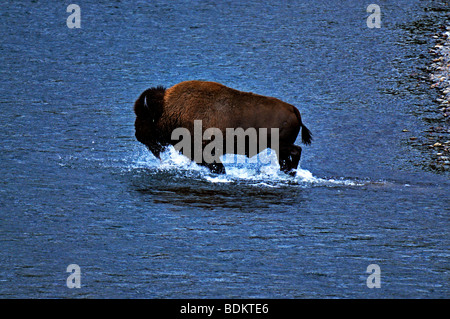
{"x": 238, "y": 169}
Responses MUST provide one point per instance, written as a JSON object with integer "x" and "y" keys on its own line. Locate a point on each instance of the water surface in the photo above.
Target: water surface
{"x": 77, "y": 188}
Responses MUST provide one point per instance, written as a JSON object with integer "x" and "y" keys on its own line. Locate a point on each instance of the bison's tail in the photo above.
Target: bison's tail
{"x": 150, "y": 105}
{"x": 306, "y": 134}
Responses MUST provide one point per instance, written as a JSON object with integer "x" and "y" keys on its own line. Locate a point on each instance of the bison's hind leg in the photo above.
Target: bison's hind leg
{"x": 289, "y": 157}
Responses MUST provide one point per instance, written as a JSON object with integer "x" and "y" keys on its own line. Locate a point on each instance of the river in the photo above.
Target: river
{"x": 77, "y": 188}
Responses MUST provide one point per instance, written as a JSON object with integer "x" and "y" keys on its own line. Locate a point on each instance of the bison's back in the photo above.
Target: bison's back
{"x": 198, "y": 100}
{"x": 223, "y": 107}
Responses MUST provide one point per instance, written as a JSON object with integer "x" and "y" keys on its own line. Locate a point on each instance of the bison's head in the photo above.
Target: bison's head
{"x": 148, "y": 109}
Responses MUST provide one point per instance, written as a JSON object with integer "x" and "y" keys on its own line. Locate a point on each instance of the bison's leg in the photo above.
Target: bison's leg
{"x": 216, "y": 167}
{"x": 289, "y": 157}
{"x": 156, "y": 149}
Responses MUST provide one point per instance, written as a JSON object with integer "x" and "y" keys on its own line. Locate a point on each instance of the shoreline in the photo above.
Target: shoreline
{"x": 438, "y": 137}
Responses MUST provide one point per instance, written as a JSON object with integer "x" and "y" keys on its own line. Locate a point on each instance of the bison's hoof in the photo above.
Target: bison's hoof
{"x": 218, "y": 169}
{"x": 292, "y": 173}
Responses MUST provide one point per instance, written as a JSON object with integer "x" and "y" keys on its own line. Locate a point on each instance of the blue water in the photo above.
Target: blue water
{"x": 77, "y": 188}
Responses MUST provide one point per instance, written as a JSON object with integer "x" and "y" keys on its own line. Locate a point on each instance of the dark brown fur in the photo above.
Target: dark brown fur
{"x": 159, "y": 111}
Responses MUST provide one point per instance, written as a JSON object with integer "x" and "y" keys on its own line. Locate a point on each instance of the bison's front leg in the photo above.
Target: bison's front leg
{"x": 216, "y": 168}
{"x": 288, "y": 158}
{"x": 212, "y": 162}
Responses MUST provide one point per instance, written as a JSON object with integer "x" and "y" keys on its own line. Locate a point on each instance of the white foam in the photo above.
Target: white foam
{"x": 220, "y": 179}
{"x": 238, "y": 169}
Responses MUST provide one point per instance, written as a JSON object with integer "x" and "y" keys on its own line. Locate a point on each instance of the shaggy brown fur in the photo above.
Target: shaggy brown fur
{"x": 159, "y": 111}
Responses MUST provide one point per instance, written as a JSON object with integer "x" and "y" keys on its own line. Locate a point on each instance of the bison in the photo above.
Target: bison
{"x": 160, "y": 111}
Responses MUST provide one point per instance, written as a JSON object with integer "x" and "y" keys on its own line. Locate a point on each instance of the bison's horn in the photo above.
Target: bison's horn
{"x": 145, "y": 102}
